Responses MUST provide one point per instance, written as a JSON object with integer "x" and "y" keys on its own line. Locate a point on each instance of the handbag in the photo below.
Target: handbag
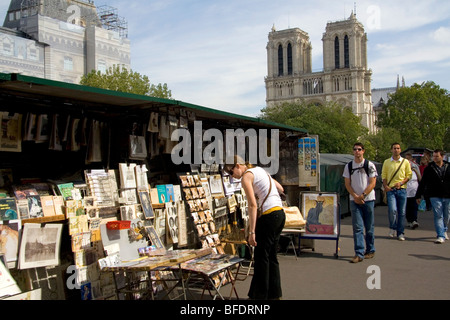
{"x": 294, "y": 218}
{"x": 384, "y": 191}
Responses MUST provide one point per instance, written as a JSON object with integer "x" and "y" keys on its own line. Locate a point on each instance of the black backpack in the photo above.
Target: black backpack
{"x": 365, "y": 166}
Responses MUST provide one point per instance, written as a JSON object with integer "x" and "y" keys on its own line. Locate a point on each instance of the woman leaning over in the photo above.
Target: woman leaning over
{"x": 264, "y": 231}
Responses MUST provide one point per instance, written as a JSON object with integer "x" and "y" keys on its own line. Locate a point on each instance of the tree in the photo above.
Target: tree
{"x": 338, "y": 128}
{"x": 119, "y": 78}
{"x": 420, "y": 114}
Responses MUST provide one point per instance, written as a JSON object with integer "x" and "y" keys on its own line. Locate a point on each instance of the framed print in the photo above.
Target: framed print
{"x": 321, "y": 212}
{"x": 154, "y": 238}
{"x": 11, "y": 132}
{"x": 144, "y": 198}
{"x": 216, "y": 185}
{"x": 40, "y": 245}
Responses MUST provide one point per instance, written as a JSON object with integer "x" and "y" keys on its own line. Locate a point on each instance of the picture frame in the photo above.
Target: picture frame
{"x": 321, "y": 210}
{"x": 40, "y": 246}
{"x": 144, "y": 198}
{"x": 11, "y": 128}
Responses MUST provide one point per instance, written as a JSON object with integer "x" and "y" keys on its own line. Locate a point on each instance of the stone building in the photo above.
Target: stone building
{"x": 345, "y": 77}
{"x": 62, "y": 40}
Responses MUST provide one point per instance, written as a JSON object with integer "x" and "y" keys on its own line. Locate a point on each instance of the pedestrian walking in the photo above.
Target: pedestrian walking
{"x": 435, "y": 185}
{"x": 360, "y": 179}
{"x": 396, "y": 172}
{"x": 412, "y": 207}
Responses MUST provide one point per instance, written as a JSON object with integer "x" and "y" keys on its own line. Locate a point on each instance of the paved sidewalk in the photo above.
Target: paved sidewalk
{"x": 416, "y": 268}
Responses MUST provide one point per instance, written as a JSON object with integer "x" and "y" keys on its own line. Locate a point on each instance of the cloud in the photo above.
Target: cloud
{"x": 442, "y": 35}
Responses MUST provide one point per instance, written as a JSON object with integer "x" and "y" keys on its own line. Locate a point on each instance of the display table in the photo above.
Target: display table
{"x": 170, "y": 260}
{"x": 214, "y": 270}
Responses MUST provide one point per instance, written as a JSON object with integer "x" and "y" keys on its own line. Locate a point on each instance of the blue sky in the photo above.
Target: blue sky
{"x": 213, "y": 52}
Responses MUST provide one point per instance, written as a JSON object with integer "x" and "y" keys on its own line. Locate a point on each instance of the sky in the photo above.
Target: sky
{"x": 213, "y": 52}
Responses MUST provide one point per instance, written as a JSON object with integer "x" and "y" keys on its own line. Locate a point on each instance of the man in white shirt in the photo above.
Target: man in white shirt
{"x": 360, "y": 179}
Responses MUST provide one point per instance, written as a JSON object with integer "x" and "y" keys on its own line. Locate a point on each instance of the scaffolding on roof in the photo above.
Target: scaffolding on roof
{"x": 112, "y": 21}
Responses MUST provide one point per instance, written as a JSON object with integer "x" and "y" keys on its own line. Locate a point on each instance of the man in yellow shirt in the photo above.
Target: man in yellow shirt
{"x": 395, "y": 173}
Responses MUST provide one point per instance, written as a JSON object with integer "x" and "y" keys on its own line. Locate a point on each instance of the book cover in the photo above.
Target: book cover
{"x": 58, "y": 203}
{"x": 35, "y": 207}
{"x": 22, "y": 209}
{"x": 8, "y": 209}
{"x": 48, "y": 208}
{"x": 66, "y": 190}
{"x": 22, "y": 191}
{"x": 162, "y": 196}
{"x": 170, "y": 195}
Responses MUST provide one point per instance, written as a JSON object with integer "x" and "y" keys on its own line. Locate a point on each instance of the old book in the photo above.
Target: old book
{"x": 58, "y": 203}
{"x": 22, "y": 191}
{"x": 8, "y": 209}
{"x": 48, "y": 208}
{"x": 66, "y": 190}
{"x": 35, "y": 207}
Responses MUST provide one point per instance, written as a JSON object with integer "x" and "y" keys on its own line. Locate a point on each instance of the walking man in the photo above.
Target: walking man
{"x": 360, "y": 179}
{"x": 395, "y": 173}
{"x": 435, "y": 185}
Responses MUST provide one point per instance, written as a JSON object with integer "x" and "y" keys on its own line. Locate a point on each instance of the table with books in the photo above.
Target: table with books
{"x": 213, "y": 271}
{"x": 135, "y": 279}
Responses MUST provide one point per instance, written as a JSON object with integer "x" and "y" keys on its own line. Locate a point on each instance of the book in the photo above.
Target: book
{"x": 170, "y": 196}
{"x": 48, "y": 208}
{"x": 22, "y": 191}
{"x": 58, "y": 203}
{"x": 35, "y": 207}
{"x": 8, "y": 209}
{"x": 22, "y": 209}
{"x": 162, "y": 195}
{"x": 66, "y": 190}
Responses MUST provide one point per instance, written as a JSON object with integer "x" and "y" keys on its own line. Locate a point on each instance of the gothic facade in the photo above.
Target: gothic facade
{"x": 345, "y": 77}
{"x": 61, "y": 40}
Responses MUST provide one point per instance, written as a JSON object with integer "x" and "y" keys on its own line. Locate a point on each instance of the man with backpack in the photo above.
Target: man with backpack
{"x": 360, "y": 179}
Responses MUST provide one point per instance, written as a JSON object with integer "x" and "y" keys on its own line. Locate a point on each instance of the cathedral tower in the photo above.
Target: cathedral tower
{"x": 345, "y": 77}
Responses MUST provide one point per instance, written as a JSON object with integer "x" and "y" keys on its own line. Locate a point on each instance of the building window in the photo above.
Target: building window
{"x": 7, "y": 49}
{"x": 68, "y": 64}
{"x": 336, "y": 53}
{"x": 101, "y": 66}
{"x": 289, "y": 57}
{"x": 280, "y": 60}
{"x": 346, "y": 53}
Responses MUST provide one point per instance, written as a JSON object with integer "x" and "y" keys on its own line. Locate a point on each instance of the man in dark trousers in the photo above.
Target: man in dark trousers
{"x": 435, "y": 185}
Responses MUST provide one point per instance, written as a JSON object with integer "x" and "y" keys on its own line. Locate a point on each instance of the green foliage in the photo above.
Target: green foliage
{"x": 378, "y": 146}
{"x": 338, "y": 128}
{"x": 420, "y": 114}
{"x": 119, "y": 78}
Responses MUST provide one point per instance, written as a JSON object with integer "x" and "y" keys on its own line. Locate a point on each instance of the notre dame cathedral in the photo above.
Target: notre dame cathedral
{"x": 345, "y": 78}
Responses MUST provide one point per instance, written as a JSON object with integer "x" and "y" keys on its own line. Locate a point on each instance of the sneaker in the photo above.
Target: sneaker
{"x": 401, "y": 237}
{"x": 391, "y": 233}
{"x": 369, "y": 255}
{"x": 439, "y": 240}
{"x": 414, "y": 225}
{"x": 357, "y": 259}
{"x": 446, "y": 236}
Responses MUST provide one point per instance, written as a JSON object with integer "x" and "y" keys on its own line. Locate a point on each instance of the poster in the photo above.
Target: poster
{"x": 321, "y": 212}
